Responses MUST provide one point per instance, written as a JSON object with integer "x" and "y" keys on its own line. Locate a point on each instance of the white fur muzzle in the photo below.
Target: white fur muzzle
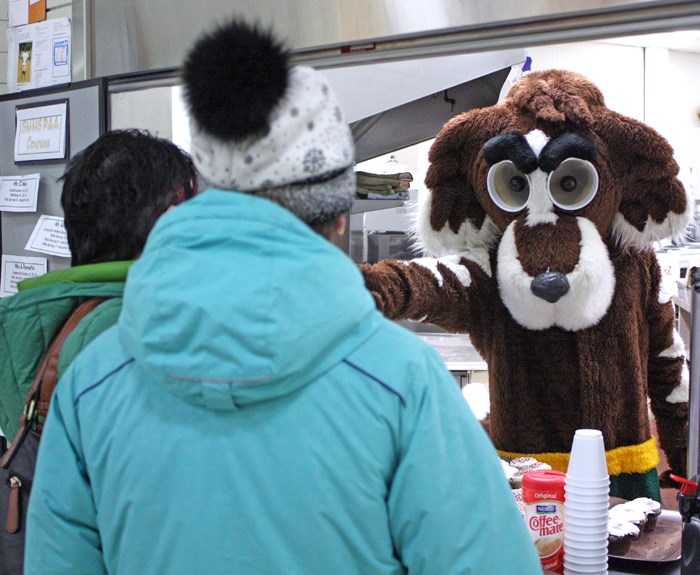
{"x": 592, "y": 285}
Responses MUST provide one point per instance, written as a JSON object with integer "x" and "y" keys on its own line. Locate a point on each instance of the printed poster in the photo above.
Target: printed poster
{"x": 39, "y": 55}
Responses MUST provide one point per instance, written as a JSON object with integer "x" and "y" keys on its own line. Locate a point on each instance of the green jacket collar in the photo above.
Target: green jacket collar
{"x": 102, "y": 272}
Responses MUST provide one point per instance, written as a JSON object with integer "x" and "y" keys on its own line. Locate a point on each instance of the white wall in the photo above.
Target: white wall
{"x": 617, "y": 70}
{"x": 673, "y": 105}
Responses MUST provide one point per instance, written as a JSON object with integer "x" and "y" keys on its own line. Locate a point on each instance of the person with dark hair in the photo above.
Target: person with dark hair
{"x": 116, "y": 189}
{"x": 252, "y": 411}
{"x": 113, "y": 193}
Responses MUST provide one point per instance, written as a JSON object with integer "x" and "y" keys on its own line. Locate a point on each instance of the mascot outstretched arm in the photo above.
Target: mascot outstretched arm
{"x": 538, "y": 234}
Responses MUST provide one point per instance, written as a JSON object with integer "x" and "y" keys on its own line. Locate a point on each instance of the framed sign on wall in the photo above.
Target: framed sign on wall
{"x": 41, "y": 132}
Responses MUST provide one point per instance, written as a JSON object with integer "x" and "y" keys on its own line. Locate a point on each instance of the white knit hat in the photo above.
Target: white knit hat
{"x": 259, "y": 127}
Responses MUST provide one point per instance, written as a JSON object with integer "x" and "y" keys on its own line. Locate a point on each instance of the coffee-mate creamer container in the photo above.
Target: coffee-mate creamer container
{"x": 543, "y": 495}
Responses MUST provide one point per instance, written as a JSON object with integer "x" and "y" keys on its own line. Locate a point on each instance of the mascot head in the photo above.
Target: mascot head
{"x": 555, "y": 184}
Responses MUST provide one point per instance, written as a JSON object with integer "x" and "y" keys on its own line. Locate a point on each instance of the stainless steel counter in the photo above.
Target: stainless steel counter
{"x": 456, "y": 350}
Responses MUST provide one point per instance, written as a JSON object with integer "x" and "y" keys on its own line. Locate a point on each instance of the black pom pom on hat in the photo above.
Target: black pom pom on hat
{"x": 233, "y": 78}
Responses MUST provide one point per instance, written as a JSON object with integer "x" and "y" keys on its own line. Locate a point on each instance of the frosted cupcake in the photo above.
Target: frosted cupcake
{"x": 651, "y": 508}
{"x": 629, "y": 513}
{"x": 620, "y": 536}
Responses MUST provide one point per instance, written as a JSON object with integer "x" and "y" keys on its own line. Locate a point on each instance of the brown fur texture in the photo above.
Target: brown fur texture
{"x": 550, "y": 378}
{"x": 539, "y": 246}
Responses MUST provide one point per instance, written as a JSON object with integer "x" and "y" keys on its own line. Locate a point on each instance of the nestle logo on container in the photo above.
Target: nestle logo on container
{"x": 546, "y": 508}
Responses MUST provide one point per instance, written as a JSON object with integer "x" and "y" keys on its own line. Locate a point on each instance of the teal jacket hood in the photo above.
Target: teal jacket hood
{"x": 268, "y": 334}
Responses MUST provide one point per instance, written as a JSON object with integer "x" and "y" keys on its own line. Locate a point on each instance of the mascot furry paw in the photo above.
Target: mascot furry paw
{"x": 539, "y": 228}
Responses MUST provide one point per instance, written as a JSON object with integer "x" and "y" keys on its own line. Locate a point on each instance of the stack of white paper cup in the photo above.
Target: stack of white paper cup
{"x": 586, "y": 503}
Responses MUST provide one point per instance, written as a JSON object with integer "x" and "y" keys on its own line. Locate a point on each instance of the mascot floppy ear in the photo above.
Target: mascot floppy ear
{"x": 451, "y": 219}
{"x": 653, "y": 202}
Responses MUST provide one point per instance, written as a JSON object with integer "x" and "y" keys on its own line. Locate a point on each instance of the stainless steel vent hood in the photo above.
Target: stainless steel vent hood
{"x": 397, "y": 104}
{"x": 388, "y": 105}
{"x": 422, "y": 119}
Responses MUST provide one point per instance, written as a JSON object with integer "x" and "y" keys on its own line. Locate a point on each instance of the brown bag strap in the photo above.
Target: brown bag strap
{"x": 49, "y": 368}
{"x": 38, "y": 398}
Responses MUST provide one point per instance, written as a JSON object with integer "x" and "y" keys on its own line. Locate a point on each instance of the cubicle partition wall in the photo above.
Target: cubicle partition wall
{"x": 85, "y": 121}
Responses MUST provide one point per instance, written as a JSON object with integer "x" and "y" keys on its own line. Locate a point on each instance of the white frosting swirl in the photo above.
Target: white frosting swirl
{"x": 626, "y": 512}
{"x": 618, "y": 528}
{"x": 648, "y": 506}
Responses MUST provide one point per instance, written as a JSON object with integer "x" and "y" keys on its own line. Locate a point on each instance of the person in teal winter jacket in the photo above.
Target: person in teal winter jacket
{"x": 252, "y": 412}
{"x": 113, "y": 192}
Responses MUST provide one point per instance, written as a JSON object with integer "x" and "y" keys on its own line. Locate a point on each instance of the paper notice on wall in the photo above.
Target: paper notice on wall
{"x": 49, "y": 237}
{"x": 19, "y": 193}
{"x": 18, "y": 268}
{"x": 38, "y": 55}
{"x": 18, "y": 13}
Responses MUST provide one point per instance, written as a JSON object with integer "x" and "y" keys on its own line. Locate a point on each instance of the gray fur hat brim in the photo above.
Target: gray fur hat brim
{"x": 316, "y": 202}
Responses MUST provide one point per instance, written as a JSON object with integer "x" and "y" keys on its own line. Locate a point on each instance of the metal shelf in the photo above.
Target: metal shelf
{"x": 362, "y": 206}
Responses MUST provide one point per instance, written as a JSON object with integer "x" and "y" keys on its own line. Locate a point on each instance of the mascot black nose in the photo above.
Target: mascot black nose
{"x": 550, "y": 286}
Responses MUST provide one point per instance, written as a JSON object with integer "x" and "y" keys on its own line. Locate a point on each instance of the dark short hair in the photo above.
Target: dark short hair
{"x": 115, "y": 189}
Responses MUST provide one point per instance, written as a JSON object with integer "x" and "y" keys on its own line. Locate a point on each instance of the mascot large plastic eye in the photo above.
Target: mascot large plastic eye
{"x": 573, "y": 185}
{"x": 508, "y": 187}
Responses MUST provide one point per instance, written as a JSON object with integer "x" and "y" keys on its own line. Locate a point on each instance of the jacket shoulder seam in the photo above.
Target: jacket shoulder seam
{"x": 377, "y": 380}
{"x": 101, "y": 380}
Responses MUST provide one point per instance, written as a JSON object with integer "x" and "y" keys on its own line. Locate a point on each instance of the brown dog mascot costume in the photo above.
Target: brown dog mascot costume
{"x": 540, "y": 222}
